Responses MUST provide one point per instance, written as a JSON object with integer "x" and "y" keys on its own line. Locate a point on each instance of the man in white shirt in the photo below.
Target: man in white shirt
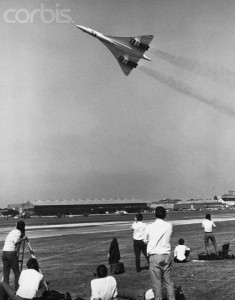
{"x": 158, "y": 235}
{"x": 104, "y": 287}
{"x": 208, "y": 225}
{"x": 181, "y": 252}
{"x": 138, "y": 228}
{"x": 29, "y": 282}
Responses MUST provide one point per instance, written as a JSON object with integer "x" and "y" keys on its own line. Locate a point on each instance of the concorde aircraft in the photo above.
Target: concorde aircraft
{"x": 127, "y": 50}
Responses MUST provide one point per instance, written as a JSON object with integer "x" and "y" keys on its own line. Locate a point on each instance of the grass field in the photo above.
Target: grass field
{"x": 69, "y": 262}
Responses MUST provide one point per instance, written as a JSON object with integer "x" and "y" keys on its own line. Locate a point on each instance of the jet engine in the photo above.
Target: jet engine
{"x": 137, "y": 43}
{"x": 128, "y": 62}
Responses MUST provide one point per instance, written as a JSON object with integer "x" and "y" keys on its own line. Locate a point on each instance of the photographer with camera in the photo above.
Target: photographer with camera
{"x": 9, "y": 252}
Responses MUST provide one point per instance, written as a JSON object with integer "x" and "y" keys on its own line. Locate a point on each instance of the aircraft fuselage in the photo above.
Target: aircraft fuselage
{"x": 112, "y": 41}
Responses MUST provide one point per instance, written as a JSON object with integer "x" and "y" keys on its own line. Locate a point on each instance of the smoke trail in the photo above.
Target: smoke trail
{"x": 188, "y": 91}
{"x": 218, "y": 74}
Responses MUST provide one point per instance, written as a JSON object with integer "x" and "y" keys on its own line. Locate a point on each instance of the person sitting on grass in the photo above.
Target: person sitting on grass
{"x": 29, "y": 282}
{"x": 181, "y": 252}
{"x": 104, "y": 287}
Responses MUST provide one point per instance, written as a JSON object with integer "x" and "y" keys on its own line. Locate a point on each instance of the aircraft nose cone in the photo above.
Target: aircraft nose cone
{"x": 80, "y": 27}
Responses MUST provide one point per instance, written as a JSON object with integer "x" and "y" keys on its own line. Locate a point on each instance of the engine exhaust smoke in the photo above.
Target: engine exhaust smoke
{"x": 218, "y": 74}
{"x": 188, "y": 91}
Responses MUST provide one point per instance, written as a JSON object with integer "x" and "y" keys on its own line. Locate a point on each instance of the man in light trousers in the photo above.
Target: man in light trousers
{"x": 158, "y": 235}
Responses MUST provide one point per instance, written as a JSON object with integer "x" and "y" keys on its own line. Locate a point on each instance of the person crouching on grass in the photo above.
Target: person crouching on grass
{"x": 104, "y": 287}
{"x": 181, "y": 252}
{"x": 29, "y": 282}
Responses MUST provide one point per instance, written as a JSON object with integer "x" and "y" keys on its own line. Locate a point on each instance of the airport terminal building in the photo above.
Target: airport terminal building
{"x": 87, "y": 206}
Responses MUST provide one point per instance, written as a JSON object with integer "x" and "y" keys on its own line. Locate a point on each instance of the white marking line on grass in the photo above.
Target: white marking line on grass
{"x": 73, "y": 251}
{"x": 231, "y": 240}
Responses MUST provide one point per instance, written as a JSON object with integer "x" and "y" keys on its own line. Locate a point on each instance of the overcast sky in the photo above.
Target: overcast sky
{"x": 72, "y": 125}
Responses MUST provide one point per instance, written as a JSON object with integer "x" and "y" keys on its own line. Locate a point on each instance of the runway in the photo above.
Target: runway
{"x": 98, "y": 227}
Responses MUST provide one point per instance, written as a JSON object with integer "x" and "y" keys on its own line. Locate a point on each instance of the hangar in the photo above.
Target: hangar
{"x": 199, "y": 205}
{"x": 88, "y": 206}
{"x": 229, "y": 198}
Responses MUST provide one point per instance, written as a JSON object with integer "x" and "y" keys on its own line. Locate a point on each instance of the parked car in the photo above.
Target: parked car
{"x": 121, "y": 212}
